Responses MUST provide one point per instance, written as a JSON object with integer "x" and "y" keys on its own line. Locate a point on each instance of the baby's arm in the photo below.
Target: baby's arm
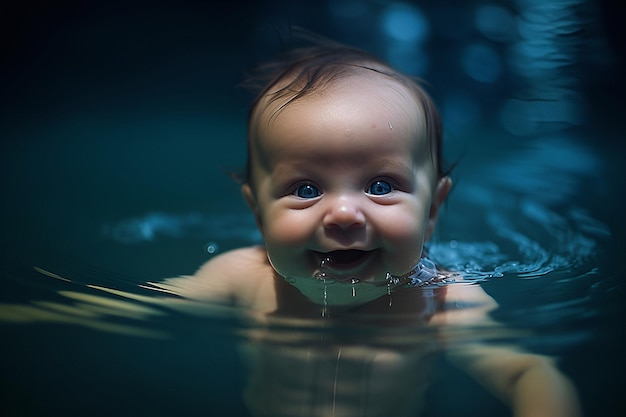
{"x": 530, "y": 383}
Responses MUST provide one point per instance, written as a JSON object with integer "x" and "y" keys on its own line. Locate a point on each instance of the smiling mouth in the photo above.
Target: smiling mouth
{"x": 344, "y": 260}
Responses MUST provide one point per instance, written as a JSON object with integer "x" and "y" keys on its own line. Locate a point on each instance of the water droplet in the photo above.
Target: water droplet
{"x": 320, "y": 276}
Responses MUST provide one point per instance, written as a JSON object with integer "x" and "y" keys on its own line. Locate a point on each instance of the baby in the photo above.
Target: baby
{"x": 345, "y": 180}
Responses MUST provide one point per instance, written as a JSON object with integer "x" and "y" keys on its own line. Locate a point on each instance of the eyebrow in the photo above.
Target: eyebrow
{"x": 380, "y": 166}
{"x": 392, "y": 165}
{"x": 282, "y": 171}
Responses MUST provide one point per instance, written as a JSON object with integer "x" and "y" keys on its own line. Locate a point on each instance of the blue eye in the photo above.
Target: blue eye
{"x": 307, "y": 191}
{"x": 379, "y": 188}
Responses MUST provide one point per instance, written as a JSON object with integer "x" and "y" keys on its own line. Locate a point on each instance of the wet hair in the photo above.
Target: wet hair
{"x": 302, "y": 71}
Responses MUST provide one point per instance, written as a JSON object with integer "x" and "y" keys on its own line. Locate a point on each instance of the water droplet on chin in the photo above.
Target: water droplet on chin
{"x": 325, "y": 278}
{"x": 325, "y": 261}
{"x": 320, "y": 276}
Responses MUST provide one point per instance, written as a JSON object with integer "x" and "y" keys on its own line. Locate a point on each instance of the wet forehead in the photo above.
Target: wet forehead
{"x": 368, "y": 101}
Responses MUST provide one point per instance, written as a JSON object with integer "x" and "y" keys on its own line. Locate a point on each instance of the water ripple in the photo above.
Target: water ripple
{"x": 529, "y": 243}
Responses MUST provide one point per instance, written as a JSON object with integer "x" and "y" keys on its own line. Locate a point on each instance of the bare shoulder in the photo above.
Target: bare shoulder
{"x": 237, "y": 264}
{"x": 235, "y": 276}
{"x": 469, "y": 294}
{"x": 466, "y": 303}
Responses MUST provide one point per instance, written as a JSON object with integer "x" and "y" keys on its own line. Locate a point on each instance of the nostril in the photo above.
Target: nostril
{"x": 344, "y": 218}
{"x": 344, "y": 226}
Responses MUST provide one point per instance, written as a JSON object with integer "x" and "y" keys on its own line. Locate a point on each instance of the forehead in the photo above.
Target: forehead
{"x": 366, "y": 102}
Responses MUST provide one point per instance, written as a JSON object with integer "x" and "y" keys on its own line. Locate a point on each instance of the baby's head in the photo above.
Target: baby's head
{"x": 344, "y": 173}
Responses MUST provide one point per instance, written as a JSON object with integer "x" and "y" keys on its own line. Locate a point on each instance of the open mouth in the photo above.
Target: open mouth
{"x": 343, "y": 260}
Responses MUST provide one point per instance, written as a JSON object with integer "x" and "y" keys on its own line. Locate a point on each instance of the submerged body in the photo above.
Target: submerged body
{"x": 372, "y": 359}
{"x": 325, "y": 374}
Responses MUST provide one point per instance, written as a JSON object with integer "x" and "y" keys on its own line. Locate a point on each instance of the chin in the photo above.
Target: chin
{"x": 337, "y": 293}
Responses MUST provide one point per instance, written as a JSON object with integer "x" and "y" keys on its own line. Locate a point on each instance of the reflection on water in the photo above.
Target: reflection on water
{"x": 81, "y": 308}
{"x": 352, "y": 366}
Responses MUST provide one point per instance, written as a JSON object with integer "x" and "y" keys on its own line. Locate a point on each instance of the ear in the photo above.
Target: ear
{"x": 250, "y": 198}
{"x": 439, "y": 196}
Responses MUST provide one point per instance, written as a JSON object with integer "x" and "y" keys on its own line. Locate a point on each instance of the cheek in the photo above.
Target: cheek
{"x": 405, "y": 226}
{"x": 287, "y": 227}
{"x": 287, "y": 235}
{"x": 407, "y": 230}
{"x": 404, "y": 240}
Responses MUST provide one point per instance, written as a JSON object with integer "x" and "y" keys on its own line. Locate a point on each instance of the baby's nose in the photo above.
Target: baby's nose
{"x": 344, "y": 213}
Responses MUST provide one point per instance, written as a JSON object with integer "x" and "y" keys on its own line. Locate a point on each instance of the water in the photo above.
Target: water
{"x": 108, "y": 186}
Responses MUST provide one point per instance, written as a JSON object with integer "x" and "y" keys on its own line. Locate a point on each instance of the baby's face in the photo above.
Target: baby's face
{"x": 344, "y": 188}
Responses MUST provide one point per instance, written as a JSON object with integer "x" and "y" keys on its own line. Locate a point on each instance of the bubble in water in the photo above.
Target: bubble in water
{"x": 211, "y": 247}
